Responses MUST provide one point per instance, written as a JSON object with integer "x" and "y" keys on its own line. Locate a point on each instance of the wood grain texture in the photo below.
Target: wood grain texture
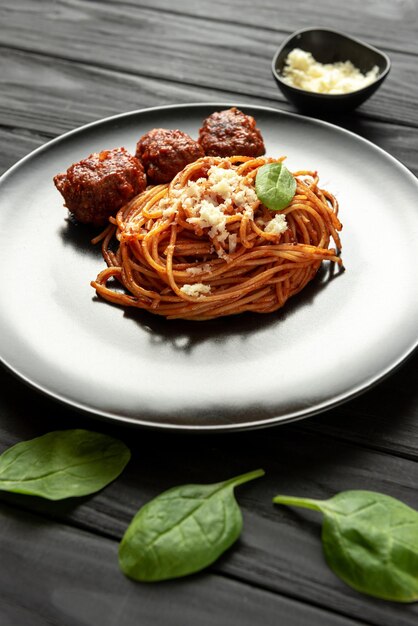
{"x": 385, "y": 23}
{"x": 229, "y": 57}
{"x": 99, "y": 93}
{"x": 279, "y": 551}
{"x": 68, "y": 95}
{"x": 44, "y": 557}
{"x": 65, "y": 63}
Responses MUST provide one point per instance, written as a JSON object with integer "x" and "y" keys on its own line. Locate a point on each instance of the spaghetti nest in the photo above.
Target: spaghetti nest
{"x": 204, "y": 246}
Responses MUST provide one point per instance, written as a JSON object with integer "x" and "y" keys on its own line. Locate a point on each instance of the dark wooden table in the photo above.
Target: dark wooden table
{"x": 68, "y": 62}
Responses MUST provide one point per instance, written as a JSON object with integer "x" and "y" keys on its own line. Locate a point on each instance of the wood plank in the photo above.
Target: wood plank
{"x": 230, "y": 57}
{"x": 100, "y": 93}
{"x": 69, "y": 95}
{"x": 72, "y": 578}
{"x": 388, "y": 24}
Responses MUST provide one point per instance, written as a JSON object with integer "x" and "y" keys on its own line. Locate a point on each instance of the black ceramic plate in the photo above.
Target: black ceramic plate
{"x": 341, "y": 335}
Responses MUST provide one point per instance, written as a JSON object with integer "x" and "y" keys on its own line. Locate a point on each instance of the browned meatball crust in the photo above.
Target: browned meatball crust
{"x": 98, "y": 186}
{"x": 164, "y": 153}
{"x": 229, "y": 133}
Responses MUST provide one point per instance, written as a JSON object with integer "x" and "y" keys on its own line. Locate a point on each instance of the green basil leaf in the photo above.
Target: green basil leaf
{"x": 182, "y": 530}
{"x": 275, "y": 186}
{"x": 62, "y": 464}
{"x": 370, "y": 541}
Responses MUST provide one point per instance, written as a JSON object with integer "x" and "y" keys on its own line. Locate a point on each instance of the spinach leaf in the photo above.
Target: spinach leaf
{"x": 275, "y": 186}
{"x": 370, "y": 541}
{"x": 62, "y": 464}
{"x": 182, "y": 530}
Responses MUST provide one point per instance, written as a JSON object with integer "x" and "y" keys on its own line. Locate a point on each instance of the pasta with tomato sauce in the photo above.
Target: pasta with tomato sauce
{"x": 204, "y": 246}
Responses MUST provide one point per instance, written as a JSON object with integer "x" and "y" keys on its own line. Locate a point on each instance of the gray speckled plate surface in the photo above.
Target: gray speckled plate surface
{"x": 342, "y": 334}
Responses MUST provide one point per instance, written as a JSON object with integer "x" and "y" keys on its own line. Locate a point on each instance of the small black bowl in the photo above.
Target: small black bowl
{"x": 330, "y": 46}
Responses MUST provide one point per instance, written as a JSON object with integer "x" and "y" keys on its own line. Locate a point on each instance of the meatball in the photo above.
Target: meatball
{"x": 164, "y": 153}
{"x": 231, "y": 132}
{"x": 98, "y": 186}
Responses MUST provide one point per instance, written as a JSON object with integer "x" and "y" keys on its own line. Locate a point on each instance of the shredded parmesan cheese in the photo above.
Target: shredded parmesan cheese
{"x": 209, "y": 204}
{"x": 303, "y": 71}
{"x": 277, "y": 225}
{"x": 198, "y": 290}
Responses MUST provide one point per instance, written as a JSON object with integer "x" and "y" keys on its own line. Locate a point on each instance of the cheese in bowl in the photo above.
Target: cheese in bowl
{"x": 301, "y": 70}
